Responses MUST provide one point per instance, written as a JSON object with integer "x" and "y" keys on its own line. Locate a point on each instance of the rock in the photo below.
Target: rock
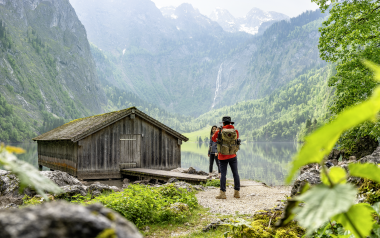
{"x": 184, "y": 185}
{"x": 180, "y": 170}
{"x": 373, "y": 158}
{"x": 61, "y": 178}
{"x": 9, "y": 189}
{"x": 190, "y": 170}
{"x": 199, "y": 187}
{"x": 101, "y": 188}
{"x": 214, "y": 224}
{"x": 334, "y": 154}
{"x": 125, "y": 186}
{"x": 202, "y": 173}
{"x": 95, "y": 193}
{"x": 179, "y": 207}
{"x": 126, "y": 181}
{"x": 364, "y": 146}
{"x": 172, "y": 180}
{"x": 312, "y": 176}
{"x": 352, "y": 158}
{"x": 72, "y": 190}
{"x": 10, "y": 206}
{"x": 153, "y": 181}
{"x": 64, "y": 220}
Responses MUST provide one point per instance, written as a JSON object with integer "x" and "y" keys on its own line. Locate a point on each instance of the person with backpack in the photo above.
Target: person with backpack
{"x": 227, "y": 139}
{"x": 213, "y": 152}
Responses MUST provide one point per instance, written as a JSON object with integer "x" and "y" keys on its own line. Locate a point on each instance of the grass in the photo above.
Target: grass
{"x": 192, "y": 228}
{"x": 204, "y": 132}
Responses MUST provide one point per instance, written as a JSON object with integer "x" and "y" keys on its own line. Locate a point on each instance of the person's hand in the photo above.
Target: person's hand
{"x": 208, "y": 155}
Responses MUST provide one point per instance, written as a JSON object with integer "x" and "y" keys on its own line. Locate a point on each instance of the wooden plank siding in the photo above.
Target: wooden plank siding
{"x": 58, "y": 155}
{"x": 99, "y": 153}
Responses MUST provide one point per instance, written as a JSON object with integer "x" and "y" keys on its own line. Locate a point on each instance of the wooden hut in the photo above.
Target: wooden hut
{"x": 98, "y": 147}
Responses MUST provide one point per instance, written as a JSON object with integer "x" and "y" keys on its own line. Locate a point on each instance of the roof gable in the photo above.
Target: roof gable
{"x": 83, "y": 127}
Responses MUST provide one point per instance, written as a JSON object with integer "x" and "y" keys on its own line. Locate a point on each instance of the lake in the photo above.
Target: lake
{"x": 266, "y": 162}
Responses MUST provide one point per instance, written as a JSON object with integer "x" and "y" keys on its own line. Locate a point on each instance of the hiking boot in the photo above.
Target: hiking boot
{"x": 222, "y": 195}
{"x": 237, "y": 194}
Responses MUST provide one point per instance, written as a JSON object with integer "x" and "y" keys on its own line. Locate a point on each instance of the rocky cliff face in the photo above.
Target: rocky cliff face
{"x": 49, "y": 65}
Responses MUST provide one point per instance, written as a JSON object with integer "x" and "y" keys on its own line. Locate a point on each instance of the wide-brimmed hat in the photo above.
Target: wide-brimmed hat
{"x": 227, "y": 119}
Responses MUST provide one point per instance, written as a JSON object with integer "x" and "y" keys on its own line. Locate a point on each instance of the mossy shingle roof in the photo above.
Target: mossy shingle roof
{"x": 83, "y": 127}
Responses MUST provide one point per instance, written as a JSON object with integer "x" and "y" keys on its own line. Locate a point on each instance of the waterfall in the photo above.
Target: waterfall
{"x": 218, "y": 83}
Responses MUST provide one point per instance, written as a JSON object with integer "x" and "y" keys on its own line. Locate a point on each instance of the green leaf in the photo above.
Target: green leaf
{"x": 340, "y": 236}
{"x": 322, "y": 203}
{"x": 376, "y": 207}
{"x": 336, "y": 174}
{"x": 358, "y": 219}
{"x": 369, "y": 171}
{"x": 27, "y": 174}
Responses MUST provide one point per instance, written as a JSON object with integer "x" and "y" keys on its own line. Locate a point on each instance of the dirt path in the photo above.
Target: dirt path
{"x": 254, "y": 196}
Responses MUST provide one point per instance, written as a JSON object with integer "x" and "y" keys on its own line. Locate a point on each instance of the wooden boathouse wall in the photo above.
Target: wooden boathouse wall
{"x": 100, "y": 155}
{"x": 99, "y": 147}
{"x": 58, "y": 155}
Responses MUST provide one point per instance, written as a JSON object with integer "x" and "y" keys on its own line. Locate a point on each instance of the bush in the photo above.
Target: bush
{"x": 146, "y": 205}
{"x": 212, "y": 183}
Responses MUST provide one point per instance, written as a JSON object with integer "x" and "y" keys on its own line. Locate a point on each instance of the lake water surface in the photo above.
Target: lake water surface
{"x": 266, "y": 162}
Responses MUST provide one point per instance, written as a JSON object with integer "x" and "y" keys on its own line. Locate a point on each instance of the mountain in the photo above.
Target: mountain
{"x": 225, "y": 19}
{"x": 171, "y": 63}
{"x": 250, "y": 23}
{"x": 281, "y": 115}
{"x": 46, "y": 67}
{"x": 186, "y": 63}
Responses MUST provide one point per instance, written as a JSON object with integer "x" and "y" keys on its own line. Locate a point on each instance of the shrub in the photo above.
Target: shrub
{"x": 144, "y": 204}
{"x": 213, "y": 183}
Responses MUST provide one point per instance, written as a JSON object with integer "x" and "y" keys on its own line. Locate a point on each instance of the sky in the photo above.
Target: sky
{"x": 239, "y": 8}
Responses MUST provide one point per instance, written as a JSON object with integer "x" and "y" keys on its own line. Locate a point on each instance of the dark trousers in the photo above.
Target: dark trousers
{"x": 212, "y": 158}
{"x": 234, "y": 167}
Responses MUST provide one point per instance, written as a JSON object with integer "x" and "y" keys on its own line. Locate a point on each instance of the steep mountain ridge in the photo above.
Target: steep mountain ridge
{"x": 251, "y": 23}
{"x": 48, "y": 66}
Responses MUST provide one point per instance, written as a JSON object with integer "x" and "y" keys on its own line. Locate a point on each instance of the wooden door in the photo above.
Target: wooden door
{"x": 130, "y": 151}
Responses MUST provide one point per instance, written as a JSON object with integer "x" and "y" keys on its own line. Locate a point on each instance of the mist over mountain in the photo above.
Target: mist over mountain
{"x": 186, "y": 63}
{"x": 249, "y": 24}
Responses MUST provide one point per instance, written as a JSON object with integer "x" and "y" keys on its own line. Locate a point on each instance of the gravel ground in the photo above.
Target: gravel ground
{"x": 254, "y": 196}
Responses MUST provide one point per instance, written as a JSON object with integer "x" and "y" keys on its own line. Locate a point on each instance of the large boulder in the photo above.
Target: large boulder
{"x": 311, "y": 176}
{"x": 65, "y": 220}
{"x": 311, "y": 173}
{"x": 10, "y": 186}
{"x": 61, "y": 178}
{"x": 10, "y": 189}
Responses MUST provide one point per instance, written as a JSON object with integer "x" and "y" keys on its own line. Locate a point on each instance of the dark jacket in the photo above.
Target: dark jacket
{"x": 212, "y": 147}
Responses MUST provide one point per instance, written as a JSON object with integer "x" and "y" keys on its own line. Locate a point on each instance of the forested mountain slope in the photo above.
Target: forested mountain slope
{"x": 188, "y": 64}
{"x": 46, "y": 67}
{"x": 281, "y": 115}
